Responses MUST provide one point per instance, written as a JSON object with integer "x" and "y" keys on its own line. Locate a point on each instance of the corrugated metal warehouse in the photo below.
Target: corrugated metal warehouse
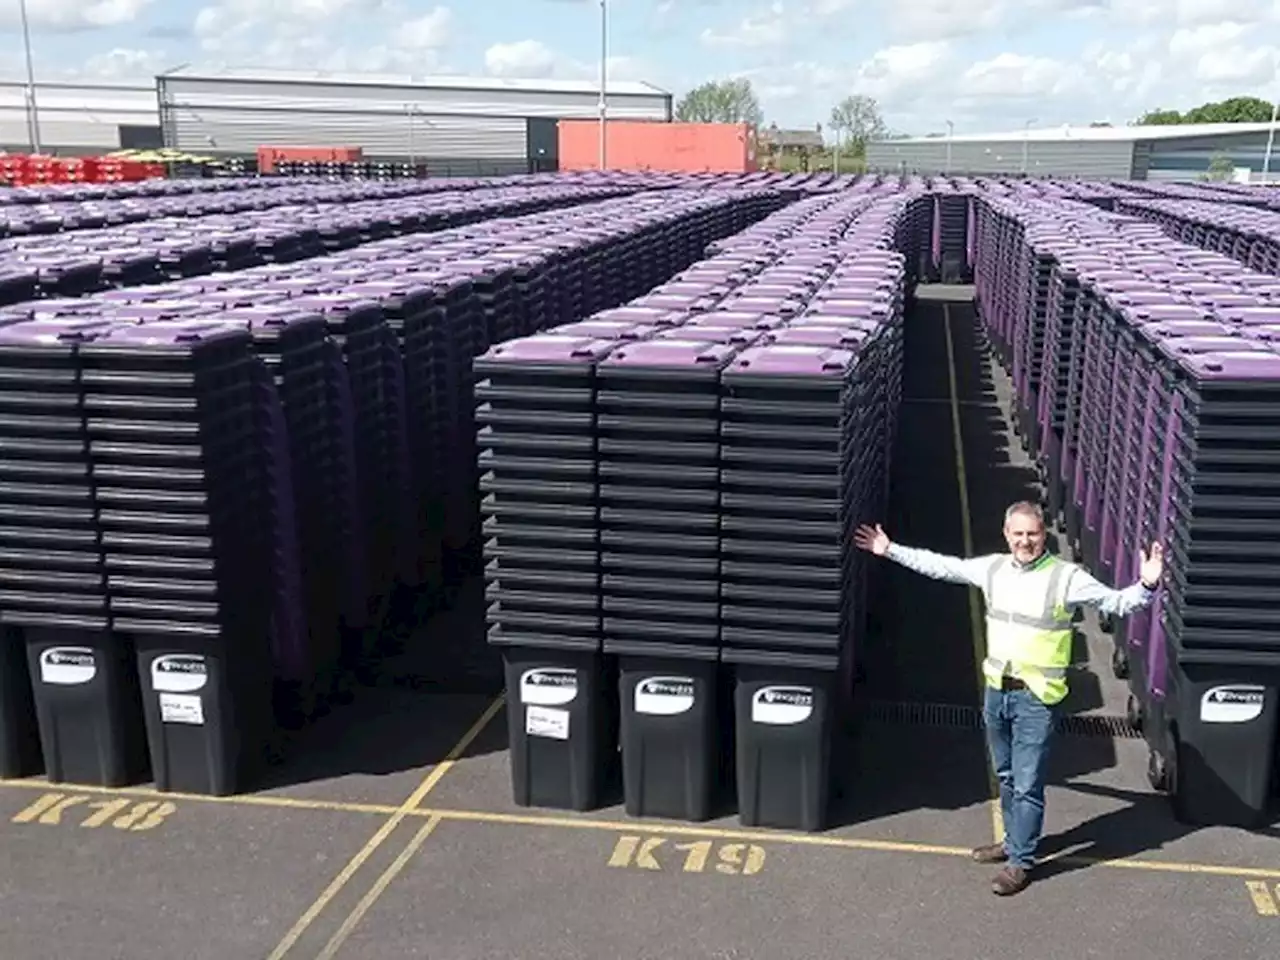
{"x": 1157, "y": 153}
{"x": 453, "y": 125}
{"x": 80, "y": 118}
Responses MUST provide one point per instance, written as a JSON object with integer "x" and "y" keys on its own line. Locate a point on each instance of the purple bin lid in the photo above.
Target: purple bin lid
{"x": 652, "y": 316}
{"x": 550, "y": 348}
{"x": 710, "y": 334}
{"x": 265, "y": 314}
{"x": 743, "y": 320}
{"x": 1182, "y": 346}
{"x": 1186, "y": 328}
{"x": 797, "y": 360}
{"x": 687, "y": 352}
{"x": 844, "y": 337}
{"x": 1165, "y": 311}
{"x": 54, "y": 330}
{"x": 1264, "y": 332}
{"x": 864, "y": 309}
{"x": 604, "y": 330}
{"x": 1237, "y": 365}
{"x": 173, "y": 332}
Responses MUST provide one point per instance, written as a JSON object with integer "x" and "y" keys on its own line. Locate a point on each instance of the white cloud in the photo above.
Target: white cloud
{"x": 69, "y": 15}
{"x": 524, "y": 58}
{"x": 764, "y": 28}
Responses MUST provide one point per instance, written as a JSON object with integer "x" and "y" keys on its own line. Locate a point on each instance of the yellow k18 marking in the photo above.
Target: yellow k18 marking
{"x": 123, "y": 813}
{"x": 734, "y": 859}
{"x": 1263, "y": 901}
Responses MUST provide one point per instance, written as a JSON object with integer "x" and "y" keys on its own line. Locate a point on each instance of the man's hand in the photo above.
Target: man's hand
{"x": 1151, "y": 566}
{"x": 872, "y": 539}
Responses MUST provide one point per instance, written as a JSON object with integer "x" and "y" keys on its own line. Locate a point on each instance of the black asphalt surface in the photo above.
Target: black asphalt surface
{"x": 329, "y": 858}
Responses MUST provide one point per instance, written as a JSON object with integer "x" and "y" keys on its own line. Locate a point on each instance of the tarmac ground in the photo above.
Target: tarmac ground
{"x": 389, "y": 831}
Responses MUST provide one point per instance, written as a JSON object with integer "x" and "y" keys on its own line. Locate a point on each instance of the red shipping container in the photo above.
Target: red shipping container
{"x": 659, "y": 146}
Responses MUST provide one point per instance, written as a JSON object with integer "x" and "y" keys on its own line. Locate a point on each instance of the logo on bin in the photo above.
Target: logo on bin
{"x": 1234, "y": 704}
{"x": 68, "y": 666}
{"x": 179, "y": 673}
{"x": 549, "y": 686}
{"x": 782, "y": 706}
{"x": 664, "y": 696}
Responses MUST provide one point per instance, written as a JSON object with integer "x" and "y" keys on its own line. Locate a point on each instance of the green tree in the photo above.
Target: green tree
{"x": 857, "y": 120}
{"x": 1160, "y": 118}
{"x": 1231, "y": 110}
{"x": 720, "y": 101}
{"x": 1220, "y": 167}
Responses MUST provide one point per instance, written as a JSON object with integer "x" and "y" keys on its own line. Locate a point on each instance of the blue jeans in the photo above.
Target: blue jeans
{"x": 1019, "y": 730}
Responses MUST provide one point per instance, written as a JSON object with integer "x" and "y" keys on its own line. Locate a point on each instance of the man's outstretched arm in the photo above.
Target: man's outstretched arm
{"x": 940, "y": 566}
{"x": 937, "y": 566}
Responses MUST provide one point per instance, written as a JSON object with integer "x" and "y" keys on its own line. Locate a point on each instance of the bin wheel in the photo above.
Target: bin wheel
{"x": 1133, "y": 712}
{"x": 1158, "y": 771}
{"x": 1120, "y": 664}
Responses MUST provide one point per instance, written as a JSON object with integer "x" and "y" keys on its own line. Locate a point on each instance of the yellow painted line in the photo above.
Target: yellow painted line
{"x": 405, "y": 809}
{"x": 377, "y": 890}
{"x": 662, "y": 827}
{"x": 966, "y": 527}
{"x": 1263, "y": 901}
{"x": 237, "y": 800}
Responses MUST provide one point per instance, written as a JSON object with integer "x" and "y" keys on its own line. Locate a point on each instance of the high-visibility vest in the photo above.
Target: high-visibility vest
{"x": 1029, "y": 626}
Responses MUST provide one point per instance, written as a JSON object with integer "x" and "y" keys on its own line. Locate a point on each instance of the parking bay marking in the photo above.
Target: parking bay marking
{"x": 674, "y": 829}
{"x": 733, "y": 859}
{"x": 123, "y": 813}
{"x": 1264, "y": 903}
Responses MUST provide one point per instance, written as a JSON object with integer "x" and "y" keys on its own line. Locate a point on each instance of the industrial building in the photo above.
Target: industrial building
{"x": 79, "y": 118}
{"x": 1183, "y": 152}
{"x": 454, "y": 126}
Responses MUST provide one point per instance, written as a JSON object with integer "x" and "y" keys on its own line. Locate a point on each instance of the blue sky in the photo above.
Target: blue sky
{"x": 989, "y": 65}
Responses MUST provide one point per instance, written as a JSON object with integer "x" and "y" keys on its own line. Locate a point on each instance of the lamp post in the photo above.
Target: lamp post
{"x": 1271, "y": 142}
{"x": 604, "y": 79}
{"x": 33, "y": 111}
{"x": 1026, "y": 142}
{"x": 951, "y": 132}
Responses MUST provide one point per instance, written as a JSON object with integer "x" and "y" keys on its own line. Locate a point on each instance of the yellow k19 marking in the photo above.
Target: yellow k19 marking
{"x": 1263, "y": 901}
{"x": 733, "y": 859}
{"x": 123, "y": 813}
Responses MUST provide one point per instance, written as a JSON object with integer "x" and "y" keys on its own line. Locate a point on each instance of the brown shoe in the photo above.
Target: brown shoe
{"x": 991, "y": 853}
{"x": 1009, "y": 881}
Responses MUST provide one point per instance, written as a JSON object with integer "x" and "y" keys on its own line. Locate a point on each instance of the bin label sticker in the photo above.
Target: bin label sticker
{"x": 68, "y": 666}
{"x": 782, "y": 706}
{"x": 181, "y": 708}
{"x": 549, "y": 686}
{"x": 179, "y": 673}
{"x": 546, "y": 722}
{"x": 664, "y": 696}
{"x": 1238, "y": 703}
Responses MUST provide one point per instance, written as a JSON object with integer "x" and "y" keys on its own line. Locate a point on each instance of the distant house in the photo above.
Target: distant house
{"x": 775, "y": 144}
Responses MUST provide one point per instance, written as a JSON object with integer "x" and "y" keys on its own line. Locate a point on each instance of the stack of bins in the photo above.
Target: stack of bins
{"x": 658, "y": 456}
{"x": 539, "y": 490}
{"x": 1214, "y": 662}
{"x": 56, "y": 633}
{"x": 417, "y": 314}
{"x": 794, "y": 424}
{"x": 1055, "y": 371}
{"x": 189, "y": 496}
{"x": 293, "y": 346}
{"x": 1144, "y": 500}
{"x": 374, "y": 371}
{"x": 1029, "y": 349}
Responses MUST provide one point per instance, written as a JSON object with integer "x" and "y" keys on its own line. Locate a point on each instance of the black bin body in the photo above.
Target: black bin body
{"x": 86, "y": 694}
{"x": 559, "y": 726}
{"x": 670, "y": 733}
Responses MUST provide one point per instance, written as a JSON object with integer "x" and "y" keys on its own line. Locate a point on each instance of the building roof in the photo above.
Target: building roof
{"x": 1105, "y": 134}
{"x": 274, "y": 75}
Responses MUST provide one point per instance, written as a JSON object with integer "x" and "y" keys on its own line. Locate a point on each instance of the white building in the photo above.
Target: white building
{"x": 79, "y": 118}
{"x": 459, "y": 122}
{"x": 1181, "y": 152}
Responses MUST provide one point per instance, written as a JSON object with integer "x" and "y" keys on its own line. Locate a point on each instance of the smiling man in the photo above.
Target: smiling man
{"x": 1031, "y": 597}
